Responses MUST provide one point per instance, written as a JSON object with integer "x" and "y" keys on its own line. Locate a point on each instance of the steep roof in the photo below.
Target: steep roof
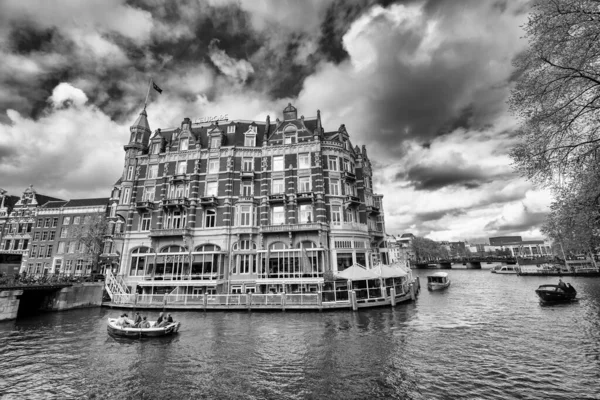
{"x": 42, "y": 199}
{"x": 101, "y": 201}
{"x": 54, "y": 204}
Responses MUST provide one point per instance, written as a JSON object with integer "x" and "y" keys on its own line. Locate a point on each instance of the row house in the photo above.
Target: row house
{"x": 242, "y": 206}
{"x": 18, "y": 219}
{"x": 61, "y": 236}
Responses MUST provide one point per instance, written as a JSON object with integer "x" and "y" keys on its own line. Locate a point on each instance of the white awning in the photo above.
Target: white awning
{"x": 289, "y": 281}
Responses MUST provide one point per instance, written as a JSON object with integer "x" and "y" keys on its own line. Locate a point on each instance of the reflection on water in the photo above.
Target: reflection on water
{"x": 487, "y": 336}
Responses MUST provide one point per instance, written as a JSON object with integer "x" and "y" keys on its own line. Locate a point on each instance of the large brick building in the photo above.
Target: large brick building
{"x": 242, "y": 206}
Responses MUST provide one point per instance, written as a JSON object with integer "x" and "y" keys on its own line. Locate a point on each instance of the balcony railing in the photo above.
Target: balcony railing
{"x": 373, "y": 209}
{"x": 176, "y": 202}
{"x": 351, "y": 226}
{"x": 177, "y": 178}
{"x": 170, "y": 232}
{"x": 208, "y": 201}
{"x": 312, "y": 226}
{"x": 246, "y": 199}
{"x": 144, "y": 205}
{"x": 277, "y": 198}
{"x": 247, "y": 174}
{"x": 305, "y": 196}
{"x": 352, "y": 200}
{"x": 350, "y": 176}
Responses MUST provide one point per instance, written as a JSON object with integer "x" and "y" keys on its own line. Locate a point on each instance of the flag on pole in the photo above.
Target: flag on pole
{"x": 155, "y": 86}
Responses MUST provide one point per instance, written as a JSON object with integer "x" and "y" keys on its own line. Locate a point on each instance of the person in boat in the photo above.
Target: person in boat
{"x": 166, "y": 321}
{"x": 160, "y": 319}
{"x": 169, "y": 318}
{"x": 561, "y": 284}
{"x": 145, "y": 323}
{"x": 124, "y": 321}
{"x": 137, "y": 319}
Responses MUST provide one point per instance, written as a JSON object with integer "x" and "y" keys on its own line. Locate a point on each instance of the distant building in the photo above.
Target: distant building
{"x": 54, "y": 245}
{"x": 18, "y": 225}
{"x": 519, "y": 247}
{"x": 502, "y": 240}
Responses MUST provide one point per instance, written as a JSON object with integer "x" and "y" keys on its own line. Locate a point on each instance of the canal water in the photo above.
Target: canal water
{"x": 486, "y": 337}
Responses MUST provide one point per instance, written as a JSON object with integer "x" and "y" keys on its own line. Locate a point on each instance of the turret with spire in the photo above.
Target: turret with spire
{"x": 140, "y": 133}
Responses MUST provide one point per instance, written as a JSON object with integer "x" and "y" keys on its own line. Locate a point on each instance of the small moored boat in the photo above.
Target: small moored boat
{"x": 438, "y": 281}
{"x": 556, "y": 293}
{"x": 132, "y": 332}
{"x": 505, "y": 269}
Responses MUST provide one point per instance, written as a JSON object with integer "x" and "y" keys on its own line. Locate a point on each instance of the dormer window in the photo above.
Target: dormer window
{"x": 250, "y": 140}
{"x": 289, "y": 134}
{"x": 155, "y": 148}
{"x": 184, "y": 144}
{"x": 231, "y": 129}
{"x": 215, "y": 142}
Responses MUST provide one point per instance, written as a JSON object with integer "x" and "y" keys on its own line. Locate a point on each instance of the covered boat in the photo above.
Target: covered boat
{"x": 438, "y": 281}
{"x": 556, "y": 293}
{"x": 132, "y": 332}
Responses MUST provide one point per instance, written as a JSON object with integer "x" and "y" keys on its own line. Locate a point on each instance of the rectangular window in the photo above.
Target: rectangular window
{"x": 210, "y": 218}
{"x": 213, "y": 166}
{"x": 149, "y": 193}
{"x": 130, "y": 170}
{"x": 55, "y": 222}
{"x": 25, "y": 244}
{"x": 58, "y": 265}
{"x": 47, "y": 223}
{"x": 333, "y": 163}
{"x": 278, "y": 216}
{"x": 152, "y": 171}
{"x": 277, "y": 186}
{"x": 82, "y": 248}
{"x": 52, "y": 235}
{"x": 49, "y": 251}
{"x": 79, "y": 266}
{"x": 336, "y": 215}
{"x": 334, "y": 187}
{"x": 181, "y": 167}
{"x": 304, "y": 160}
{"x": 277, "y": 163}
{"x": 247, "y": 189}
{"x": 40, "y": 222}
{"x": 215, "y": 142}
{"x": 155, "y": 148}
{"x": 304, "y": 184}
{"x": 184, "y": 144}
{"x": 231, "y": 129}
{"x": 247, "y": 164}
{"x": 211, "y": 188}
{"x": 306, "y": 214}
{"x": 45, "y": 235}
{"x": 250, "y": 141}
{"x": 76, "y": 220}
{"x": 126, "y": 194}
{"x": 64, "y": 232}
{"x": 68, "y": 265}
{"x": 34, "y": 250}
{"x": 245, "y": 215}
{"x": 42, "y": 252}
{"x": 36, "y": 236}
{"x": 145, "y": 222}
{"x": 349, "y": 216}
{"x": 72, "y": 246}
{"x": 61, "y": 248}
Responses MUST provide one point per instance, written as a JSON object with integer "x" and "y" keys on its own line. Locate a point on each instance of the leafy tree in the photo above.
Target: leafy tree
{"x": 557, "y": 94}
{"x": 428, "y": 250}
{"x": 92, "y": 235}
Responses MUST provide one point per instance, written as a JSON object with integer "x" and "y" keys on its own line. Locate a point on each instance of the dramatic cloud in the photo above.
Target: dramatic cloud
{"x": 423, "y": 83}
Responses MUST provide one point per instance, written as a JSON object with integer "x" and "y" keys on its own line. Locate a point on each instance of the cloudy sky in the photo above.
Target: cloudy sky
{"x": 423, "y": 84}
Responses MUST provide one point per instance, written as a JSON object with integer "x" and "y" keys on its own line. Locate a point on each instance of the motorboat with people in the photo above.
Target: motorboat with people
{"x": 438, "y": 281}
{"x": 561, "y": 293}
{"x": 125, "y": 327}
{"x": 505, "y": 269}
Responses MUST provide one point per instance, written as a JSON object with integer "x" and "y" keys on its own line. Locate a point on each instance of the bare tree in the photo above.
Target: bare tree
{"x": 557, "y": 94}
{"x": 92, "y": 235}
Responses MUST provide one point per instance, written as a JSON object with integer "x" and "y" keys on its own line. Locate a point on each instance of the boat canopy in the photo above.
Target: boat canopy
{"x": 439, "y": 275}
{"x": 385, "y": 271}
{"x": 356, "y": 273}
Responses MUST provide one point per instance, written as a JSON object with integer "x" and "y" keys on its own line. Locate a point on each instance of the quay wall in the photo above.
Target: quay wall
{"x": 77, "y": 296}
{"x": 9, "y": 304}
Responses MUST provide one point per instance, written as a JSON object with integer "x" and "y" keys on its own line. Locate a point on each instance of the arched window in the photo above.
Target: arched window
{"x": 307, "y": 244}
{"x": 142, "y": 250}
{"x": 244, "y": 245}
{"x": 279, "y": 246}
{"x": 173, "y": 249}
{"x": 289, "y": 134}
{"x": 207, "y": 247}
{"x": 140, "y": 260}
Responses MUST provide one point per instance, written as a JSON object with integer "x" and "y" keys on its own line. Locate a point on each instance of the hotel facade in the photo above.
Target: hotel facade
{"x": 242, "y": 207}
